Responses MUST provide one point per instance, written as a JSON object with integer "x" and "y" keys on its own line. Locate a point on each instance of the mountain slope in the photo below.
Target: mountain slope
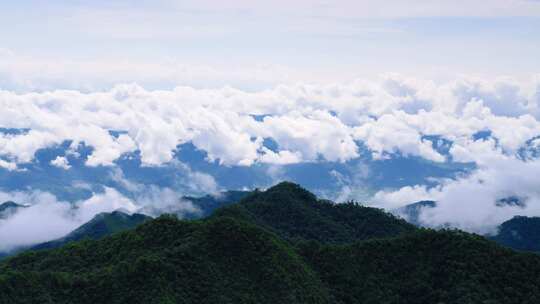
{"x": 294, "y": 213}
{"x": 224, "y": 259}
{"x": 427, "y": 267}
{"x": 101, "y": 225}
{"x": 166, "y": 261}
{"x": 520, "y": 233}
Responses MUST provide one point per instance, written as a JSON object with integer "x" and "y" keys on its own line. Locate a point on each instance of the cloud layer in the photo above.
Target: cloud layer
{"x": 308, "y": 122}
{"x": 303, "y": 123}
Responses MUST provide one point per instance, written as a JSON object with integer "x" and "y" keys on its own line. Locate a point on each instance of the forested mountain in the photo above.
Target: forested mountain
{"x": 253, "y": 252}
{"x": 520, "y": 233}
{"x": 166, "y": 261}
{"x": 427, "y": 267}
{"x": 296, "y": 214}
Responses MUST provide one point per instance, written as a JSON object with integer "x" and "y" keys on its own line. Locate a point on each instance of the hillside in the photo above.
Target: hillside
{"x": 520, "y": 233}
{"x": 101, "y": 225}
{"x": 166, "y": 261}
{"x": 294, "y": 213}
{"x": 238, "y": 256}
{"x": 427, "y": 267}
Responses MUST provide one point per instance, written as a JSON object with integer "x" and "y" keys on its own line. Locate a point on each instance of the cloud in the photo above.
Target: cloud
{"x": 470, "y": 202}
{"x": 307, "y": 122}
{"x": 23, "y": 73}
{"x": 393, "y": 115}
{"x": 8, "y": 165}
{"x": 61, "y": 162}
{"x": 47, "y": 218}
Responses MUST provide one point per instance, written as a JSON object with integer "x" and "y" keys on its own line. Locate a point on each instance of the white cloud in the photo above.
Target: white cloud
{"x": 308, "y": 122}
{"x": 47, "y": 218}
{"x": 8, "y": 165}
{"x": 61, "y": 162}
{"x": 404, "y": 196}
{"x": 23, "y": 73}
{"x": 469, "y": 202}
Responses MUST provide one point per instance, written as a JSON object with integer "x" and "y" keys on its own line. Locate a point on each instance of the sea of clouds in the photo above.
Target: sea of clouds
{"x": 308, "y": 122}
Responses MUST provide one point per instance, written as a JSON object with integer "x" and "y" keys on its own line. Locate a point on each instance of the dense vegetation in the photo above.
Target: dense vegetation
{"x": 166, "y": 261}
{"x": 296, "y": 214}
{"x": 427, "y": 267}
{"x": 256, "y": 252}
{"x": 520, "y": 233}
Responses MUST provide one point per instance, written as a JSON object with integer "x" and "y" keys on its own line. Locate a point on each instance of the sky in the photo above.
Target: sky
{"x": 258, "y": 44}
{"x": 131, "y": 104}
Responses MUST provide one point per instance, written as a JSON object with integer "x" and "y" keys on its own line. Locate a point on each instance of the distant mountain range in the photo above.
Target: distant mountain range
{"x": 327, "y": 222}
{"x": 9, "y": 208}
{"x": 103, "y": 224}
{"x": 519, "y": 233}
{"x": 282, "y": 245}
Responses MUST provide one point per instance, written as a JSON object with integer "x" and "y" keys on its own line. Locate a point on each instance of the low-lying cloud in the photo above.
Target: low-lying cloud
{"x": 308, "y": 123}
{"x": 47, "y": 218}
{"x": 472, "y": 202}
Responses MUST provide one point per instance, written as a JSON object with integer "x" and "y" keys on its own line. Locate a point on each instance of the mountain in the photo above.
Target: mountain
{"x": 251, "y": 252}
{"x": 520, "y": 233}
{"x": 426, "y": 267}
{"x": 412, "y": 212}
{"x": 221, "y": 260}
{"x": 208, "y": 203}
{"x": 294, "y": 213}
{"x": 9, "y": 208}
{"x": 101, "y": 225}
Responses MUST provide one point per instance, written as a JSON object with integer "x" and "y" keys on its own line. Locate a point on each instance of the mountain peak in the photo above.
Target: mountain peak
{"x": 286, "y": 191}
{"x": 295, "y": 213}
{"x": 9, "y": 208}
{"x": 10, "y": 204}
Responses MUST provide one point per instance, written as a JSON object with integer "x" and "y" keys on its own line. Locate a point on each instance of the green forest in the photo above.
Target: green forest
{"x": 282, "y": 245}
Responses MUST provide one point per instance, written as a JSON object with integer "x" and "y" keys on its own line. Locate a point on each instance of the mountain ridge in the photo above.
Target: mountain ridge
{"x": 240, "y": 255}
